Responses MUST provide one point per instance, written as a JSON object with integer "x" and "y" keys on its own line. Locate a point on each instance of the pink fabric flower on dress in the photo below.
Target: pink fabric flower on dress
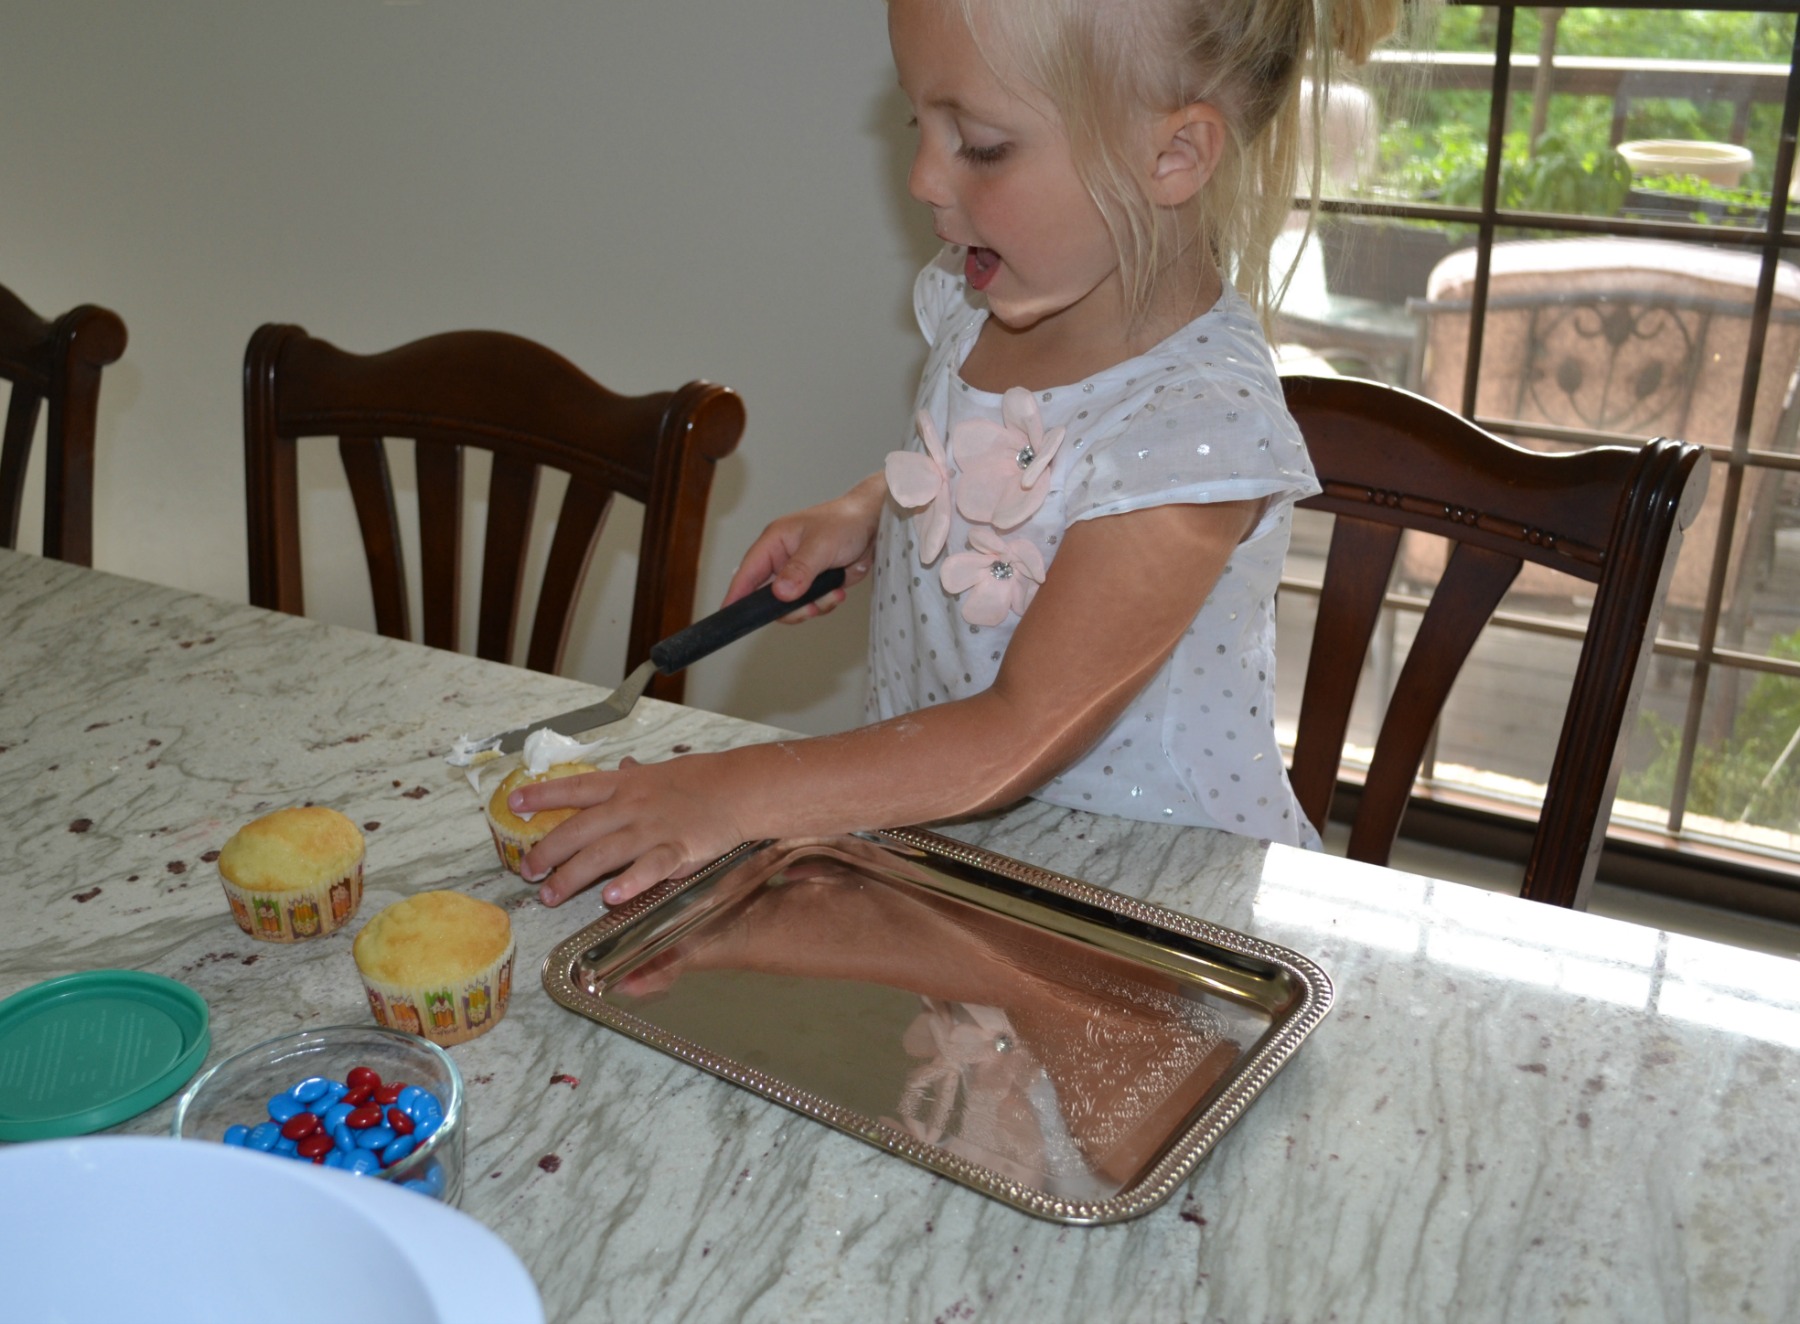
{"x": 999, "y": 575}
{"x": 921, "y": 483}
{"x": 1000, "y": 464}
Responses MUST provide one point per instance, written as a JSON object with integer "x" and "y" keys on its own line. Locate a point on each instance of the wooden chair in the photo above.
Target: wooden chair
{"x": 531, "y": 409}
{"x": 1390, "y": 461}
{"x": 59, "y": 362}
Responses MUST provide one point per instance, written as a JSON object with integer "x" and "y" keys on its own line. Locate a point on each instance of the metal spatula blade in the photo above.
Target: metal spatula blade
{"x": 679, "y": 651}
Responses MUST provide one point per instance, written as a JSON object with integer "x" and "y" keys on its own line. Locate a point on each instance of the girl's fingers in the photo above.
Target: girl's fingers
{"x": 651, "y": 868}
{"x": 581, "y": 791}
{"x": 559, "y": 850}
{"x": 766, "y": 556}
{"x": 639, "y": 864}
{"x": 817, "y": 607}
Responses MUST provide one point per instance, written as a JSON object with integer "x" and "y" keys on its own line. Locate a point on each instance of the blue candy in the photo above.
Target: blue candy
{"x": 361, "y": 1153}
{"x": 398, "y": 1150}
{"x": 263, "y": 1136}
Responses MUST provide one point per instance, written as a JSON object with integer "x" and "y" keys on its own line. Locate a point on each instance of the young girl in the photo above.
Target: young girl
{"x": 1075, "y": 556}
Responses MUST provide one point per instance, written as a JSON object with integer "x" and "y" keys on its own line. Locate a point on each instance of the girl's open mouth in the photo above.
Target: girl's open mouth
{"x": 980, "y": 266}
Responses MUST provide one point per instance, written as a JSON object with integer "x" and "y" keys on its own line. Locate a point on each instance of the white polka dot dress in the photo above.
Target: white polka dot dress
{"x": 1199, "y": 418}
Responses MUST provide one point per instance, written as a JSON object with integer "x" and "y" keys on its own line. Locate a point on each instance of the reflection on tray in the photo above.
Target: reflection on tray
{"x": 939, "y": 1009}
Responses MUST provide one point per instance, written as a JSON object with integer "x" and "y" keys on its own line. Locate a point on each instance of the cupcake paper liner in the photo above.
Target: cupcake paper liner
{"x": 511, "y": 846}
{"x": 294, "y": 915}
{"x": 447, "y": 1013}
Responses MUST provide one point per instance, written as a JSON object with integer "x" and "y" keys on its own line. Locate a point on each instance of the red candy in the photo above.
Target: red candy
{"x": 315, "y": 1147}
{"x": 389, "y": 1093}
{"x": 301, "y": 1125}
{"x": 360, "y": 1076}
{"x": 402, "y": 1124}
{"x": 364, "y": 1117}
{"x": 357, "y": 1097}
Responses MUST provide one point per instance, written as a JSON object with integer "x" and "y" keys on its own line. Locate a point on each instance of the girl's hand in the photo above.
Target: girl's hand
{"x": 792, "y": 551}
{"x": 644, "y": 823}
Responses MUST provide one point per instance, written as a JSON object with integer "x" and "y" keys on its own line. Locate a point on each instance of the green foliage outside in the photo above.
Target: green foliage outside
{"x": 1445, "y": 164}
{"x": 1728, "y": 780}
{"x": 1434, "y": 149}
{"x": 1434, "y": 144}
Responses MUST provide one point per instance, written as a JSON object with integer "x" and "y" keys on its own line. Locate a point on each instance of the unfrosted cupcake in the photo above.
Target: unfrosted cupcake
{"x": 293, "y": 874}
{"x": 513, "y": 835}
{"x": 438, "y": 965}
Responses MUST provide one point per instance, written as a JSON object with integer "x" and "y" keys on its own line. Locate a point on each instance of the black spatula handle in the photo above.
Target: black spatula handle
{"x": 709, "y": 634}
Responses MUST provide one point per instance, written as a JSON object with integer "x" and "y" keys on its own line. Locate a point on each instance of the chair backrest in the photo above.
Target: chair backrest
{"x": 58, "y": 362}
{"x": 1391, "y": 461}
{"x": 531, "y": 409}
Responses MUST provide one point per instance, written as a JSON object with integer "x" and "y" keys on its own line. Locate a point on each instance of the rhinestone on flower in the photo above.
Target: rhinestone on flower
{"x": 1001, "y": 570}
{"x": 1026, "y": 456}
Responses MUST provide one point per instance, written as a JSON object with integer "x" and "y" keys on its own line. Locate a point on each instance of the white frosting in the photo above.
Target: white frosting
{"x": 544, "y": 748}
{"x": 463, "y": 752}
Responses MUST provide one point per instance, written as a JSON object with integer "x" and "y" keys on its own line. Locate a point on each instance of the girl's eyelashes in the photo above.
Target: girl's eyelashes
{"x": 983, "y": 155}
{"x": 969, "y": 151}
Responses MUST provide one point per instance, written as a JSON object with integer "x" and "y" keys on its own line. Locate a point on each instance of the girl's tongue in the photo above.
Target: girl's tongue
{"x": 980, "y": 265}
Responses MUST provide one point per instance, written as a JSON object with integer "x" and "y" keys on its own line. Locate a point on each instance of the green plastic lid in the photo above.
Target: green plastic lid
{"x": 87, "y": 1051}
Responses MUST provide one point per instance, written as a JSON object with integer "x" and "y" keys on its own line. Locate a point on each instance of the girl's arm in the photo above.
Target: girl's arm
{"x": 792, "y": 551}
{"x": 1117, "y": 599}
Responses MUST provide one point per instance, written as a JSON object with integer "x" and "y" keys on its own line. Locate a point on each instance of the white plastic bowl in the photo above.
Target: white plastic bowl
{"x": 147, "y": 1229}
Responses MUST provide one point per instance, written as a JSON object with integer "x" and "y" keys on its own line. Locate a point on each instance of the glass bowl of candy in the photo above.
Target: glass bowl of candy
{"x": 368, "y": 1101}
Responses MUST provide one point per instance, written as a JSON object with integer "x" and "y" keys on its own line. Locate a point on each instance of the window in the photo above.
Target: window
{"x": 1572, "y": 225}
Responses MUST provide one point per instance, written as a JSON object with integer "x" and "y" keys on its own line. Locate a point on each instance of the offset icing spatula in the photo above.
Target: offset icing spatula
{"x": 676, "y": 653}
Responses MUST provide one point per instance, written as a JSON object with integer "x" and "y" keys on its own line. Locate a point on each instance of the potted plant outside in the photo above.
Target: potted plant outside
{"x": 1391, "y": 259}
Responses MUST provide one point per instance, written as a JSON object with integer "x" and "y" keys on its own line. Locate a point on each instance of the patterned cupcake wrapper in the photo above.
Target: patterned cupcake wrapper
{"x": 294, "y": 916}
{"x": 510, "y": 848}
{"x": 446, "y": 1014}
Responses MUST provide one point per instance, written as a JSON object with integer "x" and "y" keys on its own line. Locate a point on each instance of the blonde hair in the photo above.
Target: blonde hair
{"x": 1102, "y": 63}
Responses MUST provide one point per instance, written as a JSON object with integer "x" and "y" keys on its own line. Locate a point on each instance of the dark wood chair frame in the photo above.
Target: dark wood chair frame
{"x": 531, "y": 409}
{"x": 58, "y": 362}
{"x": 1390, "y": 461}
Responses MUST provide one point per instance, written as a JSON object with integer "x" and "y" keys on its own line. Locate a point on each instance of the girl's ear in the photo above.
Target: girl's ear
{"x": 1189, "y": 143}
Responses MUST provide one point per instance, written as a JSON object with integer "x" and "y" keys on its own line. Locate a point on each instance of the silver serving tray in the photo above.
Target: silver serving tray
{"x": 1062, "y": 1048}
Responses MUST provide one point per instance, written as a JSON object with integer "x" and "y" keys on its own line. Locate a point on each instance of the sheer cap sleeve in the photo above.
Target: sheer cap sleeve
{"x": 1206, "y": 423}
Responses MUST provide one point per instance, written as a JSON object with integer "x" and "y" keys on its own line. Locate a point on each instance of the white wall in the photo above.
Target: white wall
{"x": 658, "y": 189}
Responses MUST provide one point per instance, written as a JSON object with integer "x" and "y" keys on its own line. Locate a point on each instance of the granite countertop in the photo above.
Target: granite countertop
{"x": 1512, "y": 1112}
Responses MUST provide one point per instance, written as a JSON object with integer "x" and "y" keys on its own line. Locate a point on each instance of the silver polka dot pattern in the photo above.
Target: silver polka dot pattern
{"x": 1170, "y": 425}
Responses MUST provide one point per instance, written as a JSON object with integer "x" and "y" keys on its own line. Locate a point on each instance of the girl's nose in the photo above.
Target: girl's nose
{"x": 925, "y": 181}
